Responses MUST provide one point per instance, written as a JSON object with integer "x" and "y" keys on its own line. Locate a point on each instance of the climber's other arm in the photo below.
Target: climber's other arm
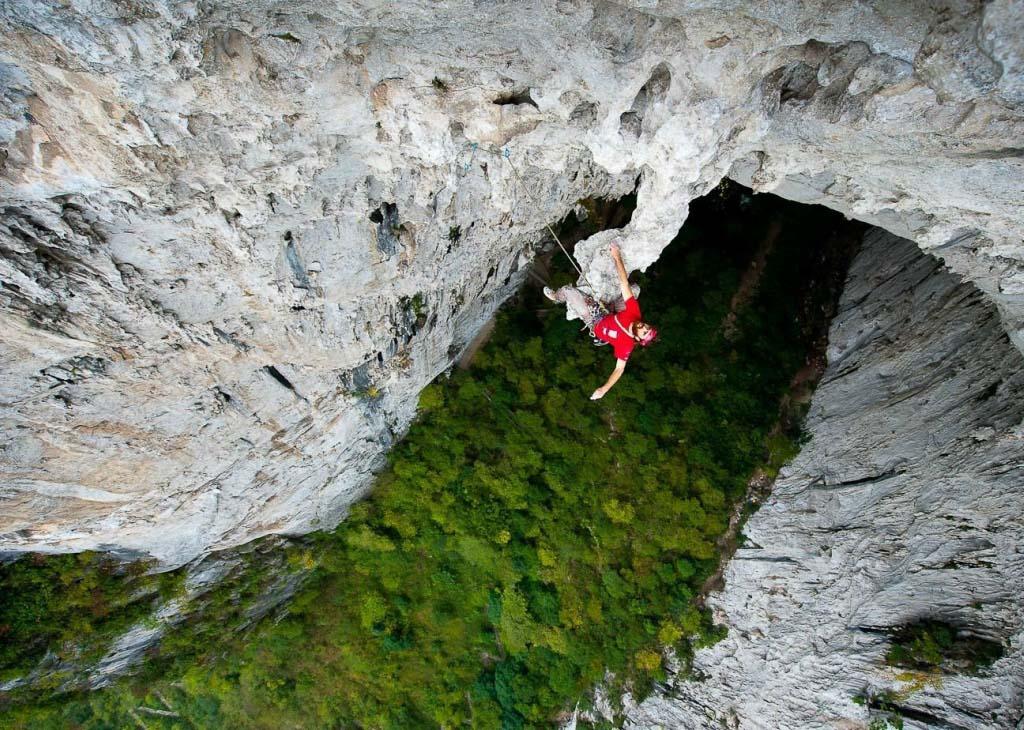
{"x": 620, "y": 367}
{"x": 627, "y": 293}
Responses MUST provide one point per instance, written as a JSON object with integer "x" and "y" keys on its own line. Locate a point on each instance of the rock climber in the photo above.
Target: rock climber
{"x": 622, "y": 330}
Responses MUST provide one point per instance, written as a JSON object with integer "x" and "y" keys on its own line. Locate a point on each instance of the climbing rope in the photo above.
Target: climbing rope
{"x": 589, "y": 326}
{"x": 507, "y": 155}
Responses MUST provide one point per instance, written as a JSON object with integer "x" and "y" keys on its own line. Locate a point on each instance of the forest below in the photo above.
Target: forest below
{"x": 523, "y": 546}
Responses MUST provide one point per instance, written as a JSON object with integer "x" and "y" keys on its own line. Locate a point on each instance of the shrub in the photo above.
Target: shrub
{"x": 936, "y": 646}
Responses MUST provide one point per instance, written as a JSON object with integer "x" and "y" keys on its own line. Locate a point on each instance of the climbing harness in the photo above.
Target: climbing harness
{"x": 597, "y": 312}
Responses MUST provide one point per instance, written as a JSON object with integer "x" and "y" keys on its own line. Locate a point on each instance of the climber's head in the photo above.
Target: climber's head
{"x": 645, "y": 334}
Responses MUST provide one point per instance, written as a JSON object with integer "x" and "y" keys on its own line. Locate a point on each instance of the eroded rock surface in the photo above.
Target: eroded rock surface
{"x": 907, "y": 504}
{"x": 237, "y": 238}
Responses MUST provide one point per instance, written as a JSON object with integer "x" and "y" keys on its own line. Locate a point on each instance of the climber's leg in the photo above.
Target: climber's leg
{"x": 580, "y": 305}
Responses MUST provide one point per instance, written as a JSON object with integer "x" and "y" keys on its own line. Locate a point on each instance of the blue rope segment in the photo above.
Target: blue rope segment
{"x": 465, "y": 167}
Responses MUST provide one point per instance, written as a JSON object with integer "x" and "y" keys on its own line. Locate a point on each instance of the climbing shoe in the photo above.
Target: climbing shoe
{"x": 550, "y": 294}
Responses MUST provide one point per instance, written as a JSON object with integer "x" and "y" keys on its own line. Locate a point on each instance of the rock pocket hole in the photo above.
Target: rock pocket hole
{"x": 279, "y": 377}
{"x": 651, "y": 93}
{"x": 389, "y": 229}
{"x": 516, "y": 98}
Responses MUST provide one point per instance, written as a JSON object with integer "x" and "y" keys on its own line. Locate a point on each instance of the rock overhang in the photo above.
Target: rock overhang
{"x": 191, "y": 193}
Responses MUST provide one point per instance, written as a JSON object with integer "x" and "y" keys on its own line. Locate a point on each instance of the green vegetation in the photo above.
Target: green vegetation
{"x": 524, "y": 539}
{"x": 926, "y": 651}
{"x": 415, "y": 307}
{"x": 935, "y": 646}
{"x": 888, "y": 721}
{"x": 885, "y": 712}
{"x": 72, "y": 606}
{"x": 59, "y": 614}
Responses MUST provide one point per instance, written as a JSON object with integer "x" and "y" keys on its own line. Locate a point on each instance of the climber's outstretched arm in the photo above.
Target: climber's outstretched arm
{"x": 620, "y": 367}
{"x": 627, "y": 293}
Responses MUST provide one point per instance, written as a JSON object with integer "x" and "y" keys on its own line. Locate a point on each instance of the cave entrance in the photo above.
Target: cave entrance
{"x": 744, "y": 296}
{"x": 569, "y": 540}
{"x": 778, "y": 256}
{"x": 809, "y": 247}
{"x": 526, "y": 543}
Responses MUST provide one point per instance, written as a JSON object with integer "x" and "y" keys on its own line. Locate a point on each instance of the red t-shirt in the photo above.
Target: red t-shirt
{"x": 617, "y": 336}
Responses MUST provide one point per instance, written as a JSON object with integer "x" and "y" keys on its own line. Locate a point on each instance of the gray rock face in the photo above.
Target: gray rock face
{"x": 906, "y": 504}
{"x": 237, "y": 238}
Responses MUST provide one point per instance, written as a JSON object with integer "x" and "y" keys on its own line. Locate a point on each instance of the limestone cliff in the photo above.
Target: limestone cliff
{"x": 239, "y": 237}
{"x": 905, "y": 505}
